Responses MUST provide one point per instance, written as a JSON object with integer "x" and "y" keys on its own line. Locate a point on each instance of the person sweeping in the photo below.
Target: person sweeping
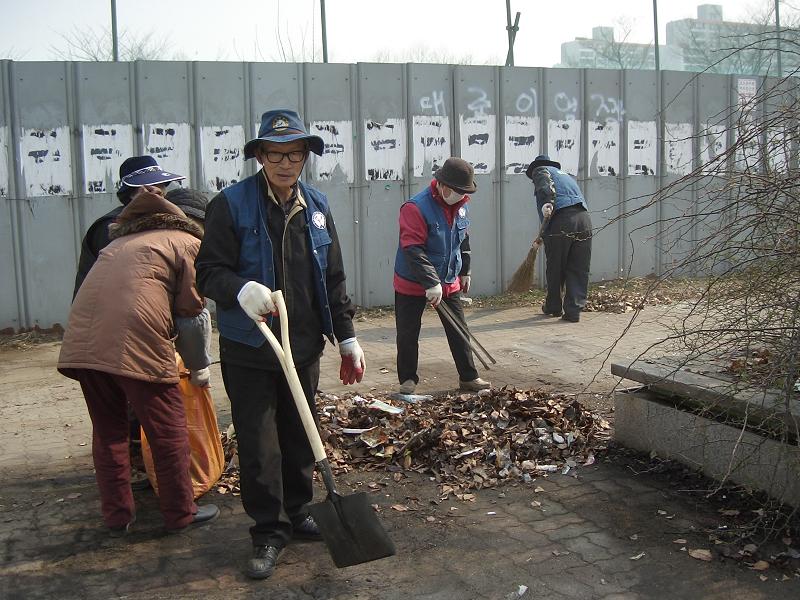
{"x": 432, "y": 266}
{"x": 567, "y": 238}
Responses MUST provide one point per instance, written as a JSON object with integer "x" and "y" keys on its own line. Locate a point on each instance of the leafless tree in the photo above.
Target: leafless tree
{"x": 740, "y": 234}
{"x": 746, "y": 48}
{"x": 619, "y": 53}
{"x": 425, "y": 54}
{"x": 95, "y": 44}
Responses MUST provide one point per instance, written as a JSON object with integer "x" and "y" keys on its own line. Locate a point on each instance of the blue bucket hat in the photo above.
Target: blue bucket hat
{"x": 283, "y": 126}
{"x": 541, "y": 161}
{"x": 137, "y": 171}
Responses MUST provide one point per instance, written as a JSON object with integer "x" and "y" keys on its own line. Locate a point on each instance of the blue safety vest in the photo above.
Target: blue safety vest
{"x": 249, "y": 215}
{"x": 443, "y": 246}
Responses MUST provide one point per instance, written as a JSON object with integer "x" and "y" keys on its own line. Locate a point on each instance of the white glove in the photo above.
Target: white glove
{"x": 434, "y": 295}
{"x": 466, "y": 280}
{"x": 201, "y": 377}
{"x": 353, "y": 362}
{"x": 256, "y": 300}
{"x": 547, "y": 210}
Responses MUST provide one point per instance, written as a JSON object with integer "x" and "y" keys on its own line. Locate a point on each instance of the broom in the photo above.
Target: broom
{"x": 522, "y": 280}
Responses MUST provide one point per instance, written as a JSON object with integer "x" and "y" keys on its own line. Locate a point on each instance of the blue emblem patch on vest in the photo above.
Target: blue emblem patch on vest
{"x": 318, "y": 219}
{"x": 462, "y": 212}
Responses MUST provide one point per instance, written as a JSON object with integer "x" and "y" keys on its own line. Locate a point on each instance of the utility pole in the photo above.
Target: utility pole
{"x": 324, "y": 31}
{"x": 114, "y": 37}
{"x": 778, "y": 33}
{"x": 655, "y": 32}
{"x": 512, "y": 33}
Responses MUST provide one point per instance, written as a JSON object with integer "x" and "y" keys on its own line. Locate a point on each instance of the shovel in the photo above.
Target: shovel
{"x": 348, "y": 524}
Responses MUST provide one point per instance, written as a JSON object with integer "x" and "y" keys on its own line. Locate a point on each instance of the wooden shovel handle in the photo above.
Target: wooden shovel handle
{"x": 284, "y": 354}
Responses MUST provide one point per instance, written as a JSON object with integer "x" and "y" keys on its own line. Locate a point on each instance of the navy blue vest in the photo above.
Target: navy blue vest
{"x": 246, "y": 204}
{"x": 443, "y": 246}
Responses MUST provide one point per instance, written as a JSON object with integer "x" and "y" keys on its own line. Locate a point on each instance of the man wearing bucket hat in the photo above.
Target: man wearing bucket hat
{"x": 268, "y": 232}
{"x": 432, "y": 265}
{"x": 567, "y": 238}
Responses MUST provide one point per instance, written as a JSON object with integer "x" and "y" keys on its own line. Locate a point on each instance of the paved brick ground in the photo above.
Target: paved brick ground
{"x": 577, "y": 544}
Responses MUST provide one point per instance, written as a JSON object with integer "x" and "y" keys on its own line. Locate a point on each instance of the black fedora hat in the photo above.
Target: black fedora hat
{"x": 283, "y": 126}
{"x": 137, "y": 171}
{"x": 541, "y": 161}
{"x": 458, "y": 175}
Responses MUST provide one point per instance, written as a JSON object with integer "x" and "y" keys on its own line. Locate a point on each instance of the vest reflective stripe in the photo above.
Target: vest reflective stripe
{"x": 249, "y": 217}
{"x": 443, "y": 245}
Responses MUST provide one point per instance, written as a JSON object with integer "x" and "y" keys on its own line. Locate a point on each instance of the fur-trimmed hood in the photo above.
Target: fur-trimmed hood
{"x": 148, "y": 212}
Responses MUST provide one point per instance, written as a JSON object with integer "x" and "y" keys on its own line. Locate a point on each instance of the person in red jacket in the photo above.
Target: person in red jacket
{"x": 432, "y": 265}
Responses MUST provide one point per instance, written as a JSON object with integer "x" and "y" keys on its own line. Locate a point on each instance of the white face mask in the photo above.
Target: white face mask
{"x": 453, "y": 198}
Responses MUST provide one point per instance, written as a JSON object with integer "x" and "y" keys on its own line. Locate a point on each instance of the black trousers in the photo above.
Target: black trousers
{"x": 276, "y": 464}
{"x": 408, "y": 320}
{"x": 568, "y": 250}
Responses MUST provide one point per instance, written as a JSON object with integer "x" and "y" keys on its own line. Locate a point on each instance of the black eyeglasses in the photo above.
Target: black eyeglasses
{"x": 294, "y": 156}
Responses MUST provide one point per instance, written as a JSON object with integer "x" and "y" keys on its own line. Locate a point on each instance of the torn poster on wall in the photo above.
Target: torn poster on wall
{"x": 385, "y": 149}
{"x": 748, "y": 140}
{"x": 564, "y": 143}
{"x": 336, "y": 162}
{"x": 642, "y": 147}
{"x": 4, "y": 162}
{"x": 46, "y": 162}
{"x": 104, "y": 149}
{"x": 170, "y": 144}
{"x": 222, "y": 152}
{"x": 779, "y": 148}
{"x": 604, "y": 148}
{"x": 746, "y": 89}
{"x": 431, "y": 143}
{"x": 712, "y": 143}
{"x": 478, "y": 142}
{"x": 522, "y": 143}
{"x": 678, "y": 148}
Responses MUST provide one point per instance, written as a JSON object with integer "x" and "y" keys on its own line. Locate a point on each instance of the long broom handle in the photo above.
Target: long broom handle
{"x": 460, "y": 332}
{"x": 284, "y": 355}
{"x": 465, "y": 332}
{"x": 545, "y": 221}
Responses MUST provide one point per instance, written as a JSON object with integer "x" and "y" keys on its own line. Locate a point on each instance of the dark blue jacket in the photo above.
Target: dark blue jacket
{"x": 443, "y": 247}
{"x": 556, "y": 186}
{"x": 255, "y": 255}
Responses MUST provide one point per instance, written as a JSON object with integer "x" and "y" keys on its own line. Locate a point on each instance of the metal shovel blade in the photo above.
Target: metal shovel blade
{"x": 351, "y": 529}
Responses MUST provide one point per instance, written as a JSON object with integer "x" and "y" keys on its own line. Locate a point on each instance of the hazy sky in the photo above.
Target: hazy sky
{"x": 358, "y": 30}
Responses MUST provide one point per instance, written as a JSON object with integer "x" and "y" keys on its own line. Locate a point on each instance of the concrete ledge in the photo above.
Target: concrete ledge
{"x": 720, "y": 451}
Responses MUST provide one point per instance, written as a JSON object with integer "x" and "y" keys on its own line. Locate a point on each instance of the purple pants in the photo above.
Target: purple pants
{"x": 159, "y": 408}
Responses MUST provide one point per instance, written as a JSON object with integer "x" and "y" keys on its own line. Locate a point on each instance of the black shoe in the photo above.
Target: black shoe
{"x": 122, "y": 530}
{"x": 552, "y": 313}
{"x": 204, "y": 515}
{"x": 143, "y": 483}
{"x": 262, "y": 565}
{"x": 570, "y": 318}
{"x": 307, "y": 529}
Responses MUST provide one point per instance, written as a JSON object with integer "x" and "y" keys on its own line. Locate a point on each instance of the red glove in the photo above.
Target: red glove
{"x": 348, "y": 372}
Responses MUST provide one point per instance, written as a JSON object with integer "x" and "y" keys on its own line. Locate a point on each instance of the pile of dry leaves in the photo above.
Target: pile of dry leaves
{"x": 466, "y": 441}
{"x": 627, "y": 295}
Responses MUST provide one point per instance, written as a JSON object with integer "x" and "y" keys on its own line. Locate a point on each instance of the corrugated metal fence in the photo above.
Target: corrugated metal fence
{"x": 65, "y": 127}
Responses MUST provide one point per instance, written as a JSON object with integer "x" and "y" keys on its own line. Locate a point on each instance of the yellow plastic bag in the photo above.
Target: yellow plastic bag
{"x": 206, "y": 460}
